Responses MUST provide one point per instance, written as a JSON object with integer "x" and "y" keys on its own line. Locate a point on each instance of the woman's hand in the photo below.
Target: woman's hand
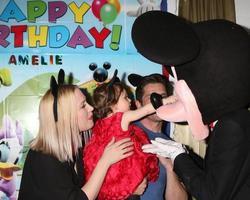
{"x": 116, "y": 151}
{"x": 113, "y": 152}
{"x": 141, "y": 188}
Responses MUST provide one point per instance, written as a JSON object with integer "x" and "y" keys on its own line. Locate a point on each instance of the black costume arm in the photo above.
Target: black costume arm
{"x": 225, "y": 161}
{"x": 199, "y": 161}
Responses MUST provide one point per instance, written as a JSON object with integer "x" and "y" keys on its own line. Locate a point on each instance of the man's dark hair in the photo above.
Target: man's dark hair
{"x": 151, "y": 79}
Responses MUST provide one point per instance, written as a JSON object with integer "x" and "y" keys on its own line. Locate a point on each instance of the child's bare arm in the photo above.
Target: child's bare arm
{"x": 143, "y": 111}
{"x": 169, "y": 100}
{"x": 133, "y": 115}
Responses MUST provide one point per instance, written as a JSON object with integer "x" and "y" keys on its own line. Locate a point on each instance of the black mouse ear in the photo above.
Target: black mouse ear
{"x": 123, "y": 78}
{"x": 135, "y": 79}
{"x": 111, "y": 83}
{"x": 92, "y": 66}
{"x": 114, "y": 79}
{"x": 70, "y": 78}
{"x": 117, "y": 79}
{"x": 177, "y": 41}
{"x": 53, "y": 85}
{"x": 54, "y": 90}
{"x": 106, "y": 65}
{"x": 61, "y": 76}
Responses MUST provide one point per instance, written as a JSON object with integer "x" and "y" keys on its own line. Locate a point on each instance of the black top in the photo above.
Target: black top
{"x": 46, "y": 178}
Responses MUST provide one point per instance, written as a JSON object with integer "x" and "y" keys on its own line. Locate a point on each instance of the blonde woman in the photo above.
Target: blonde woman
{"x": 49, "y": 171}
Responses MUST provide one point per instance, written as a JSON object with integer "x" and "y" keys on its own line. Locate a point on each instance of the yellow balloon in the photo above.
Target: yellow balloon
{"x": 115, "y": 3}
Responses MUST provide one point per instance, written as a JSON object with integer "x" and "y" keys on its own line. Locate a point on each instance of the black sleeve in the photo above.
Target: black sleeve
{"x": 66, "y": 182}
{"x": 199, "y": 161}
{"x": 79, "y": 168}
{"x": 225, "y": 163}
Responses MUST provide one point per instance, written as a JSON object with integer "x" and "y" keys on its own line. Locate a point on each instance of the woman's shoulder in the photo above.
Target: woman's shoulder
{"x": 46, "y": 165}
{"x": 40, "y": 158}
{"x": 39, "y": 154}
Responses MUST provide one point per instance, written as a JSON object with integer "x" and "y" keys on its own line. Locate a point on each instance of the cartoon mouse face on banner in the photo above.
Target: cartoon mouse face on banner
{"x": 100, "y": 74}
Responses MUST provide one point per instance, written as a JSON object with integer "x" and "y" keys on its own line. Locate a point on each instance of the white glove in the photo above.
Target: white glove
{"x": 165, "y": 148}
{"x": 145, "y": 5}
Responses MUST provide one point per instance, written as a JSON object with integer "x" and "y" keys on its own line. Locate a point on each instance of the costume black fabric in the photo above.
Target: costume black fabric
{"x": 221, "y": 65}
{"x": 183, "y": 40}
{"x": 219, "y": 77}
{"x": 227, "y": 162}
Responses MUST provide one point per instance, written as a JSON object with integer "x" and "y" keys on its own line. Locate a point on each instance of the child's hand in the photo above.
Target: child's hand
{"x": 169, "y": 100}
{"x": 116, "y": 151}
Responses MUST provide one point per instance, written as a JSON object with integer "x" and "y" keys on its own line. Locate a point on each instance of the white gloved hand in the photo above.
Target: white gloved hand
{"x": 165, "y": 148}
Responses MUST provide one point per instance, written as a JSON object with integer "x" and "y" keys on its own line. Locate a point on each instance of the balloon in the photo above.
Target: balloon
{"x": 96, "y": 7}
{"x": 108, "y": 13}
{"x": 115, "y": 3}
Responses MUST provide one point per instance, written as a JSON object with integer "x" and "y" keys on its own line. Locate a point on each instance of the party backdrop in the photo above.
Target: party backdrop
{"x": 89, "y": 38}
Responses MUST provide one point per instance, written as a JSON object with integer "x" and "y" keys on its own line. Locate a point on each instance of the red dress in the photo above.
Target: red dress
{"x": 124, "y": 176}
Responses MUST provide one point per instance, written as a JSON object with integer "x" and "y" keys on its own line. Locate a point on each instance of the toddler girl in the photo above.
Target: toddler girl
{"x": 112, "y": 108}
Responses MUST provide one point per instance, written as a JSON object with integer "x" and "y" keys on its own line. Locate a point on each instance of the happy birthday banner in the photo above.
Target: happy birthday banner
{"x": 41, "y": 36}
{"x": 38, "y": 37}
{"x": 58, "y": 24}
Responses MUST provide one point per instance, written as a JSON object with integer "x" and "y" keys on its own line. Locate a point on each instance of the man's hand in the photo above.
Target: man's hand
{"x": 145, "y": 5}
{"x": 166, "y": 162}
{"x": 165, "y": 148}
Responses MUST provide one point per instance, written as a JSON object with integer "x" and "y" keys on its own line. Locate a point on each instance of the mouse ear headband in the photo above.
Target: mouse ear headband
{"x": 54, "y": 85}
{"x": 135, "y": 79}
{"x": 113, "y": 80}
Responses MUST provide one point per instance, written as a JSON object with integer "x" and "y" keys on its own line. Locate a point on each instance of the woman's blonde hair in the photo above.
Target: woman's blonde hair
{"x": 60, "y": 139}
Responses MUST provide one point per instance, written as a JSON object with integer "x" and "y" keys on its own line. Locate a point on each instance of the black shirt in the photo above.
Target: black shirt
{"x": 46, "y": 178}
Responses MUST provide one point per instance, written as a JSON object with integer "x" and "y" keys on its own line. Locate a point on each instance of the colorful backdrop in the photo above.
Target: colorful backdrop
{"x": 89, "y": 38}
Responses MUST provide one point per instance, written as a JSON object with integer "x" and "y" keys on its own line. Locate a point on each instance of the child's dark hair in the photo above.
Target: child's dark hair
{"x": 105, "y": 96}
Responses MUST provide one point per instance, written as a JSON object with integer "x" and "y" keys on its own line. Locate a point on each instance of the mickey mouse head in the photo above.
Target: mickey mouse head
{"x": 100, "y": 74}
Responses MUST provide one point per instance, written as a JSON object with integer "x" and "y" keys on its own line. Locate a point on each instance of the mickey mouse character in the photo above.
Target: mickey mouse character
{"x": 211, "y": 60}
{"x": 100, "y": 74}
